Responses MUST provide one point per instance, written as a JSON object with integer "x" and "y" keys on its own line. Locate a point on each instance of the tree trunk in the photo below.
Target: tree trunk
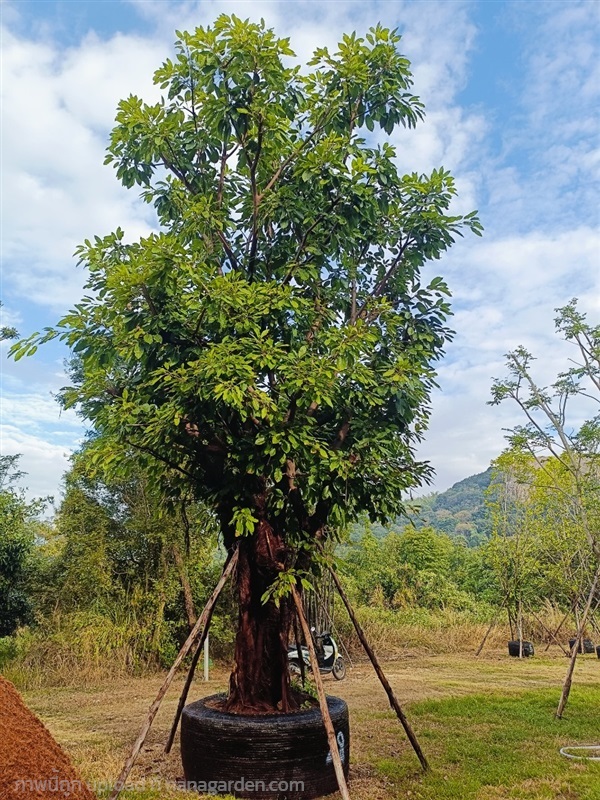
{"x": 260, "y": 680}
{"x": 185, "y": 586}
{"x": 520, "y": 628}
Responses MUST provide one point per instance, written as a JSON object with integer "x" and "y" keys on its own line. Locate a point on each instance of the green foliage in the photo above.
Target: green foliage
{"x": 17, "y": 539}
{"x": 275, "y": 335}
{"x": 109, "y": 578}
{"x": 459, "y": 511}
{"x": 539, "y": 549}
{"x": 556, "y": 457}
{"x": 418, "y": 568}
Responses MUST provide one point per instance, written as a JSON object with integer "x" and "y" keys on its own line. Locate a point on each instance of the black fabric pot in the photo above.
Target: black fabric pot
{"x": 267, "y": 757}
{"x": 586, "y": 646}
{"x": 513, "y": 649}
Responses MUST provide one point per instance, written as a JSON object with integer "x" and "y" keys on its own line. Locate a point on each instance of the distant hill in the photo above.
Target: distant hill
{"x": 459, "y": 511}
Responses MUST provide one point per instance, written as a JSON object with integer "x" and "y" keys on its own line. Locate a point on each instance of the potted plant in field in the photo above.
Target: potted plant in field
{"x": 271, "y": 343}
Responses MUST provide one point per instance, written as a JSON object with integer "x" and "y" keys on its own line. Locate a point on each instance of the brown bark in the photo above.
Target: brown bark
{"x": 260, "y": 680}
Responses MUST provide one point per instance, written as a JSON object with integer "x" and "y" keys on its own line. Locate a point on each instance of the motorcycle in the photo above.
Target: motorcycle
{"x": 328, "y": 656}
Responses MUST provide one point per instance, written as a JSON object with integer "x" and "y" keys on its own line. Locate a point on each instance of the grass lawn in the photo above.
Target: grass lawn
{"x": 487, "y": 726}
{"x": 494, "y": 746}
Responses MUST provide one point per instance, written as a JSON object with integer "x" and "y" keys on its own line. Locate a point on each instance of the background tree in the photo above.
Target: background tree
{"x": 552, "y": 432}
{"x": 514, "y": 550}
{"x": 17, "y": 539}
{"x": 412, "y": 569}
{"x": 273, "y": 343}
{"x": 118, "y": 551}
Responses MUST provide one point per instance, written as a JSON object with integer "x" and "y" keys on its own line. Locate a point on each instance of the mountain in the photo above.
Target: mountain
{"x": 460, "y": 511}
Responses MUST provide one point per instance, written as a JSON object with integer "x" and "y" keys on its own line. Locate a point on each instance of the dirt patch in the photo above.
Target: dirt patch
{"x": 32, "y": 764}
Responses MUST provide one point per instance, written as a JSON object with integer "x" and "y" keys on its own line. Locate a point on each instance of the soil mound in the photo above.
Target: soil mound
{"x": 32, "y": 764}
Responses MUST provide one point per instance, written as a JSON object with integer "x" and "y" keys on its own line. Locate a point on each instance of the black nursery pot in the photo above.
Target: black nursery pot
{"x": 586, "y": 646}
{"x": 513, "y": 649}
{"x": 267, "y": 757}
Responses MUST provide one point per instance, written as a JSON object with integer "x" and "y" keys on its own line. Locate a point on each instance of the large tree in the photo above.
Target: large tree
{"x": 272, "y": 343}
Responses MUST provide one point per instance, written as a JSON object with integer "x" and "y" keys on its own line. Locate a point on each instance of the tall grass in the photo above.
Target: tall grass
{"x": 79, "y": 648}
{"x": 85, "y": 648}
{"x": 394, "y": 632}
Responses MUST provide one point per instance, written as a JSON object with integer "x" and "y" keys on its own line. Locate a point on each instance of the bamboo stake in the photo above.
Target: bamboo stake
{"x": 189, "y": 643}
{"x": 301, "y": 663}
{"x": 539, "y": 621}
{"x": 557, "y": 631}
{"x": 383, "y": 680}
{"x": 593, "y": 622}
{"x": 187, "y": 684}
{"x": 487, "y": 633}
{"x": 333, "y": 746}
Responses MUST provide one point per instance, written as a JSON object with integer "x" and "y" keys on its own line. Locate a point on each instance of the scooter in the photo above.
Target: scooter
{"x": 328, "y": 656}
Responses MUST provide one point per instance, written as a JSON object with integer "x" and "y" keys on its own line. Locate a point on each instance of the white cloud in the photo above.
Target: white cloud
{"x": 40, "y": 413}
{"x": 33, "y": 425}
{"x": 507, "y": 291}
{"x": 57, "y": 109}
{"x": 43, "y": 461}
{"x": 10, "y": 317}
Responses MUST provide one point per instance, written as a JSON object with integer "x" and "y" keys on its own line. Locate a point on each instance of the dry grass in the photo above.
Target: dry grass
{"x": 97, "y": 725}
{"x": 395, "y": 633}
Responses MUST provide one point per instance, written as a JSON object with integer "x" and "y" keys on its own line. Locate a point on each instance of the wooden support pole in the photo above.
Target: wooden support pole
{"x": 186, "y": 687}
{"x": 593, "y": 622}
{"x": 333, "y": 745}
{"x": 557, "y": 631}
{"x": 487, "y": 633}
{"x": 301, "y": 663}
{"x": 198, "y": 628}
{"x": 383, "y": 680}
{"x": 549, "y": 632}
{"x": 206, "y": 648}
{"x": 520, "y": 627}
{"x": 580, "y": 628}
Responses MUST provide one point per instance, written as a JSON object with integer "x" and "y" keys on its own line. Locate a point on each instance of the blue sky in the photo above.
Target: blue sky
{"x": 511, "y": 90}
